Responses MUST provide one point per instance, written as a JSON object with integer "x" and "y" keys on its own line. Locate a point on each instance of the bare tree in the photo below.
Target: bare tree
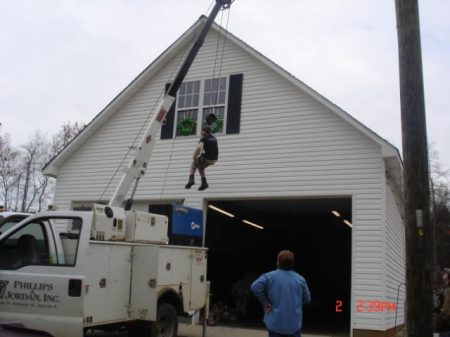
{"x": 33, "y": 154}
{"x": 23, "y": 187}
{"x": 46, "y": 185}
{"x": 9, "y": 165}
{"x": 440, "y": 213}
{"x": 58, "y": 142}
{"x": 65, "y": 134}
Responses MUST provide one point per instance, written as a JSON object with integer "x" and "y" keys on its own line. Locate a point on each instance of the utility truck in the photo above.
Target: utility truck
{"x": 63, "y": 273}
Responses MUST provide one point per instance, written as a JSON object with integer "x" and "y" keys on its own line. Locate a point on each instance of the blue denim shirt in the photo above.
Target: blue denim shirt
{"x": 286, "y": 291}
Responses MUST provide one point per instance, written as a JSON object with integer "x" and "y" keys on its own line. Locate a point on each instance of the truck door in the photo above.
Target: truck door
{"x": 40, "y": 282}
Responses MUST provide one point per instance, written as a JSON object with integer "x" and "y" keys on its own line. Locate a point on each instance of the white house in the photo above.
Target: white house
{"x": 288, "y": 158}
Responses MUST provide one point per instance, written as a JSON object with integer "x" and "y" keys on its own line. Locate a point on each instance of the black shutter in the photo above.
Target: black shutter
{"x": 167, "y": 128}
{"x": 234, "y": 104}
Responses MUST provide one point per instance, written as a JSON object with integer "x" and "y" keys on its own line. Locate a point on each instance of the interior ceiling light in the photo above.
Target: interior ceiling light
{"x": 221, "y": 211}
{"x": 336, "y": 213}
{"x": 252, "y": 224}
{"x": 348, "y": 223}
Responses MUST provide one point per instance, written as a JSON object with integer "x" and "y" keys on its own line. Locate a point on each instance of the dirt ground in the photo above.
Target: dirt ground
{"x": 196, "y": 331}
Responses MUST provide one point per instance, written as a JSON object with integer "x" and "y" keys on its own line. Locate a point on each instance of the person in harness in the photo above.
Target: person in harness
{"x": 206, "y": 154}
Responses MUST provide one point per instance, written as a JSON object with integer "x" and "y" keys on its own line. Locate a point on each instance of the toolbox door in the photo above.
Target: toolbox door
{"x": 198, "y": 279}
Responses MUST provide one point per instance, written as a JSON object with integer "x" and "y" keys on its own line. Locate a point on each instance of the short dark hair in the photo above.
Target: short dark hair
{"x": 207, "y": 129}
{"x": 286, "y": 260}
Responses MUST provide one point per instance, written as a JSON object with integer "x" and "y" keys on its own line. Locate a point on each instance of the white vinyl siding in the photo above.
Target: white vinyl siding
{"x": 289, "y": 146}
{"x": 395, "y": 256}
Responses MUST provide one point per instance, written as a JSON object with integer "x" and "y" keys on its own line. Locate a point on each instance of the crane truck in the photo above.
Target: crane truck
{"x": 65, "y": 272}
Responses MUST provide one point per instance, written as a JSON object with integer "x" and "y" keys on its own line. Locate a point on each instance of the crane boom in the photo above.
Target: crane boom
{"x": 138, "y": 164}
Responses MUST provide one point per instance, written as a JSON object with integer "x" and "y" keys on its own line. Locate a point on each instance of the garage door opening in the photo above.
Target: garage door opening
{"x": 244, "y": 244}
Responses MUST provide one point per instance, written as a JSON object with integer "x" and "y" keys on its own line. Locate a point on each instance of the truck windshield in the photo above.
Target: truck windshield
{"x": 10, "y": 221}
{"x": 42, "y": 241}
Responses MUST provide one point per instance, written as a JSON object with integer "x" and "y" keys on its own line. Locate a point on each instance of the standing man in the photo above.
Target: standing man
{"x": 282, "y": 293}
{"x": 206, "y": 153}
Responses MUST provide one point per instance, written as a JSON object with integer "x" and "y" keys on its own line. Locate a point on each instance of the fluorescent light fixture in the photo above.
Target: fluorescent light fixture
{"x": 336, "y": 213}
{"x": 348, "y": 223}
{"x": 252, "y": 224}
{"x": 217, "y": 209}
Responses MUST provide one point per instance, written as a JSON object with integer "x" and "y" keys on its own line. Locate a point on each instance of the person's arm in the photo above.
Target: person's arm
{"x": 306, "y": 298}
{"x": 258, "y": 289}
{"x": 198, "y": 150}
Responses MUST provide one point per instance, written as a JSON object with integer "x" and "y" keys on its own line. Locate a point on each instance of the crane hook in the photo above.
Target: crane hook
{"x": 225, "y": 4}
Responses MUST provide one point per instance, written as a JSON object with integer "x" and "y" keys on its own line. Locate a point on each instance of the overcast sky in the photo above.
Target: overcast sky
{"x": 65, "y": 60}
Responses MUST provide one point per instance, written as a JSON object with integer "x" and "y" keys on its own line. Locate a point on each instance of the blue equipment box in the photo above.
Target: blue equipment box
{"x": 187, "y": 221}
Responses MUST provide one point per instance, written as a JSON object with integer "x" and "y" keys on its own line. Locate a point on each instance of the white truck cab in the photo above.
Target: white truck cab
{"x": 57, "y": 278}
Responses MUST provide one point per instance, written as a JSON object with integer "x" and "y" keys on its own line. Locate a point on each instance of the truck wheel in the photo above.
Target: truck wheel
{"x": 139, "y": 329}
{"x": 166, "y": 324}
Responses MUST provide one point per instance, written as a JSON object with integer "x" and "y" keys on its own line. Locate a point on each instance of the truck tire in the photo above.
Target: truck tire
{"x": 140, "y": 329}
{"x": 166, "y": 324}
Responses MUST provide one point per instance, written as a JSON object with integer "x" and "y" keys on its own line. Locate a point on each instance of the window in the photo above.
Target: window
{"x": 187, "y": 108}
{"x": 208, "y": 96}
{"x": 70, "y": 237}
{"x": 26, "y": 246}
{"x": 187, "y": 122}
{"x": 215, "y": 90}
{"x": 214, "y": 101}
{"x": 34, "y": 244}
{"x": 10, "y": 221}
{"x": 188, "y": 94}
{"x": 197, "y": 99}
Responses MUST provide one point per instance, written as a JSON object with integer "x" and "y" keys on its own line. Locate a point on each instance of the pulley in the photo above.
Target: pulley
{"x": 225, "y": 3}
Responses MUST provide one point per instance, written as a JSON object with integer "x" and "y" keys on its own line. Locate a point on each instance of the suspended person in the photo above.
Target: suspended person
{"x": 282, "y": 292}
{"x": 206, "y": 154}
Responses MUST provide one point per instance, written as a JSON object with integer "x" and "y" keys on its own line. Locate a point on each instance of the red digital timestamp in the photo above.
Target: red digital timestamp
{"x": 370, "y": 306}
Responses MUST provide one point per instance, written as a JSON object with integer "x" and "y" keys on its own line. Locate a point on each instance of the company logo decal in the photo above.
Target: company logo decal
{"x": 3, "y": 284}
{"x": 28, "y": 294}
{"x": 194, "y": 226}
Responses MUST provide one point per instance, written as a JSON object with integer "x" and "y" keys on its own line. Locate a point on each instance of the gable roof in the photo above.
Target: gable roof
{"x": 389, "y": 152}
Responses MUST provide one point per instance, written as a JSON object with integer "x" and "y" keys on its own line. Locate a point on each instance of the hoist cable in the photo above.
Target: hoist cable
{"x": 181, "y": 57}
{"x": 216, "y": 98}
{"x": 167, "y": 171}
{"x": 214, "y": 73}
{"x": 217, "y": 50}
{"x": 210, "y": 5}
{"x": 224, "y": 42}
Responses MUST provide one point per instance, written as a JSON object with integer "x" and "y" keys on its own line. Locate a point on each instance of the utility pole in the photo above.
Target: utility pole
{"x": 418, "y": 229}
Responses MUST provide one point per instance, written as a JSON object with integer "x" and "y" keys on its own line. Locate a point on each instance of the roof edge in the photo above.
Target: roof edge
{"x": 388, "y": 149}
{"x": 51, "y": 168}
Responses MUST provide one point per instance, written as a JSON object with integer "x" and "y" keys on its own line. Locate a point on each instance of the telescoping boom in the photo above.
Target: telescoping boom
{"x": 138, "y": 164}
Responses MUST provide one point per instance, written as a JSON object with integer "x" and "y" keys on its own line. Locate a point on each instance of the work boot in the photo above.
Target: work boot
{"x": 204, "y": 184}
{"x": 190, "y": 182}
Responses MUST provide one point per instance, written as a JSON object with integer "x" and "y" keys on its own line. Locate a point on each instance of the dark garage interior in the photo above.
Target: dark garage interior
{"x": 240, "y": 252}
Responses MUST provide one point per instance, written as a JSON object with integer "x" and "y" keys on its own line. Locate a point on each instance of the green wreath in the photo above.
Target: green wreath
{"x": 217, "y": 125}
{"x": 186, "y": 127}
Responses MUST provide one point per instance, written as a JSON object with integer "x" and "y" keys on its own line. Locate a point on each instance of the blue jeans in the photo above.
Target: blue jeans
{"x": 274, "y": 334}
{"x": 444, "y": 334}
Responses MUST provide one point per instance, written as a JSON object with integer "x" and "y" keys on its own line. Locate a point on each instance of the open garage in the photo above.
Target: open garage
{"x": 244, "y": 237}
